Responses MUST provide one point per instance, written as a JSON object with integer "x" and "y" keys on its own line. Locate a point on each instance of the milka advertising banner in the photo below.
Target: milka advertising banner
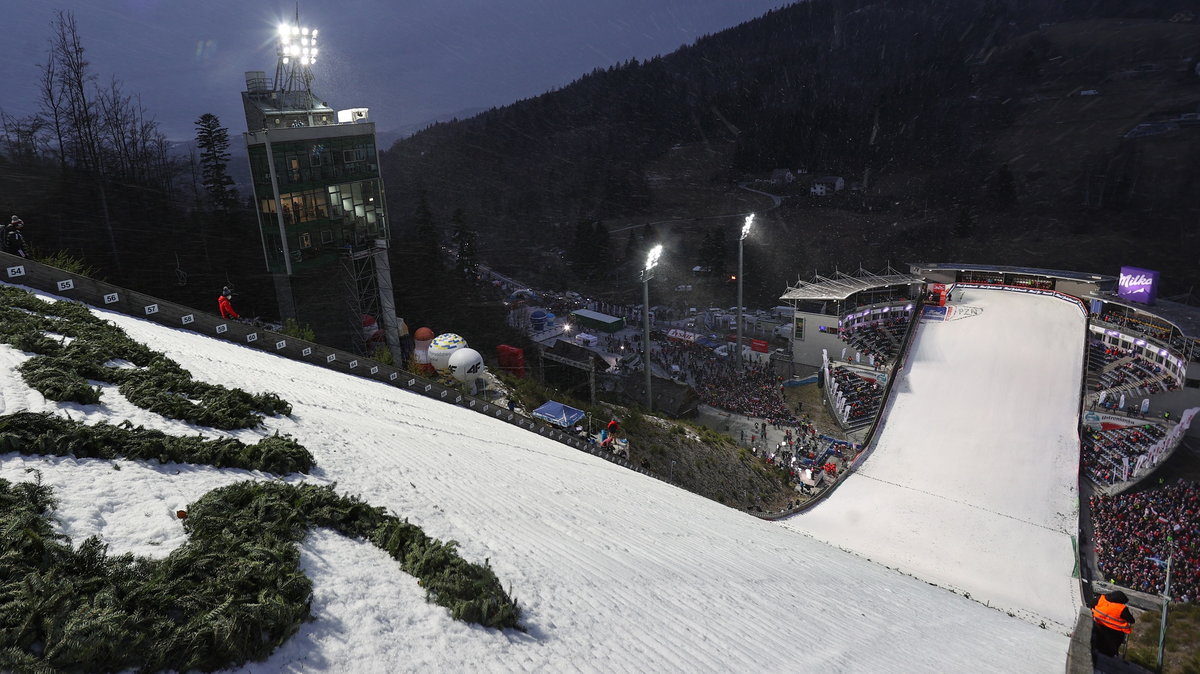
{"x": 1138, "y": 285}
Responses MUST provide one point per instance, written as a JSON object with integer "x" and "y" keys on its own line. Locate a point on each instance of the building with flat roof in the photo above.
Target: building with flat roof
{"x": 320, "y": 203}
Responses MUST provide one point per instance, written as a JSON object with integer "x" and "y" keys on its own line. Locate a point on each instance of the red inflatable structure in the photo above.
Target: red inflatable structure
{"x": 512, "y": 360}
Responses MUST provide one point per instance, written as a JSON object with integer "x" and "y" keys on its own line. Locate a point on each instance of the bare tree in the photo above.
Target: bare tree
{"x": 50, "y": 100}
{"x": 114, "y": 109}
{"x": 23, "y": 139}
{"x": 72, "y": 76}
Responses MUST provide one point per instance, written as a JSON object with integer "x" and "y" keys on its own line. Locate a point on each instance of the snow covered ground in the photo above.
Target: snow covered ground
{"x": 973, "y": 484}
{"x": 616, "y": 572}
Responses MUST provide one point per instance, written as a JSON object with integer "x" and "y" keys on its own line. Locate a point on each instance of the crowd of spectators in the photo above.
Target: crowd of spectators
{"x": 1101, "y": 355}
{"x": 1154, "y": 330}
{"x": 861, "y": 396}
{"x": 809, "y": 459}
{"x": 1134, "y": 530}
{"x": 1102, "y": 453}
{"x": 1136, "y": 375}
{"x": 754, "y": 390}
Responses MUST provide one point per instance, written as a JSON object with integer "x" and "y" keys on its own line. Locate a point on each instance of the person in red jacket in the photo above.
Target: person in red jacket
{"x": 224, "y": 306}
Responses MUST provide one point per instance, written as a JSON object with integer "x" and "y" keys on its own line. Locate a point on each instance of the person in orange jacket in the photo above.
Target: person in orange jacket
{"x": 224, "y": 306}
{"x": 1111, "y": 622}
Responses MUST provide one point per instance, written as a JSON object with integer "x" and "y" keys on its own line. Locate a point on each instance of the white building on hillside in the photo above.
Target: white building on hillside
{"x": 827, "y": 185}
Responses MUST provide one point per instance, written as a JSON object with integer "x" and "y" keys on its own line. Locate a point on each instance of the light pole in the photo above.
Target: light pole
{"x": 745, "y": 233}
{"x": 647, "y": 274}
{"x": 1166, "y": 600}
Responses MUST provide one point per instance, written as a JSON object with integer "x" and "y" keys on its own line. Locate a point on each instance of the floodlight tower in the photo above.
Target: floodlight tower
{"x": 320, "y": 202}
{"x": 647, "y": 274}
{"x": 745, "y": 232}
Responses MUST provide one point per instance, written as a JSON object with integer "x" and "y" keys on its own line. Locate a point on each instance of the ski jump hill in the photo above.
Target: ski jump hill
{"x": 973, "y": 482}
{"x": 614, "y": 570}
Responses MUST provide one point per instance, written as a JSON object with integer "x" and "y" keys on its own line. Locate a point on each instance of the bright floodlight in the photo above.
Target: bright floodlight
{"x": 652, "y": 258}
{"x": 299, "y": 43}
{"x": 746, "y": 227}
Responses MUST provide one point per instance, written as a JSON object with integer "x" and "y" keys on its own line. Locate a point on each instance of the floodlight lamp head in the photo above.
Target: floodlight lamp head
{"x": 297, "y": 41}
{"x": 652, "y": 258}
{"x": 746, "y": 227}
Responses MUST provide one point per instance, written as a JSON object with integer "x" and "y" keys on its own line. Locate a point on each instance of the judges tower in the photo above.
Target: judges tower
{"x": 320, "y": 203}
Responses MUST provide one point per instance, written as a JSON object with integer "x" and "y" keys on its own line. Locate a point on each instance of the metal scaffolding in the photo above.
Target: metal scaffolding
{"x": 361, "y": 288}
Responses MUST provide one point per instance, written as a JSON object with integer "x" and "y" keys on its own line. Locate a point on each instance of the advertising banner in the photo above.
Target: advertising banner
{"x": 759, "y": 345}
{"x": 1138, "y": 285}
{"x": 931, "y": 313}
{"x": 1104, "y": 422}
{"x": 682, "y": 335}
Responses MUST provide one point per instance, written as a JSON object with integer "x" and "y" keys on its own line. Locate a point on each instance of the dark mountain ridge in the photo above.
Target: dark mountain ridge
{"x": 963, "y": 124}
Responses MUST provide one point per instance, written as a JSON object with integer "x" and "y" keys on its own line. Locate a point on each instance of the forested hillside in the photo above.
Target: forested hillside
{"x": 955, "y": 125}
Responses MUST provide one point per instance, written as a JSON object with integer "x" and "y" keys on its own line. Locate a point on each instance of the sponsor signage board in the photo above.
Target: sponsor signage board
{"x": 933, "y": 313}
{"x": 1138, "y": 285}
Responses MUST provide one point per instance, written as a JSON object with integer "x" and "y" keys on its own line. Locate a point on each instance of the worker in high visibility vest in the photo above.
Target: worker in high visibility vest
{"x": 1111, "y": 622}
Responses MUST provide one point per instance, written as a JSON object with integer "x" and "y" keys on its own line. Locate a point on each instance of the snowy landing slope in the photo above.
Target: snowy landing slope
{"x": 616, "y": 572}
{"x": 973, "y": 484}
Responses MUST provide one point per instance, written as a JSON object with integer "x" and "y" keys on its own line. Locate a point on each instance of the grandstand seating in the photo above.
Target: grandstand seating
{"x": 1100, "y": 356}
{"x": 1131, "y": 375}
{"x": 1102, "y": 452}
{"x": 877, "y": 338}
{"x": 862, "y": 397}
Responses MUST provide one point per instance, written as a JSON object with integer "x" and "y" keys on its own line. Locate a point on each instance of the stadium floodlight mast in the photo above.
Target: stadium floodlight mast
{"x": 297, "y": 50}
{"x": 1166, "y": 599}
{"x": 647, "y": 274}
{"x": 745, "y": 232}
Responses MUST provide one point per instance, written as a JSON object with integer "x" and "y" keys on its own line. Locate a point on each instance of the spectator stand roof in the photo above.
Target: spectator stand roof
{"x": 1182, "y": 316}
{"x": 1103, "y": 280}
{"x": 841, "y": 286}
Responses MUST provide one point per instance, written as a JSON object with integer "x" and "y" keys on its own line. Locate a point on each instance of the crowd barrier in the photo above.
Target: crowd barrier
{"x": 32, "y": 274}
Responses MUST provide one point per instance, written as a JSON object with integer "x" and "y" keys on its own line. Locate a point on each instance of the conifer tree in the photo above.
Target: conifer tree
{"x": 213, "y": 141}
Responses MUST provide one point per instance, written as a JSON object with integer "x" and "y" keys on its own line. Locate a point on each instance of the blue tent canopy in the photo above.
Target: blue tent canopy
{"x": 558, "y": 414}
